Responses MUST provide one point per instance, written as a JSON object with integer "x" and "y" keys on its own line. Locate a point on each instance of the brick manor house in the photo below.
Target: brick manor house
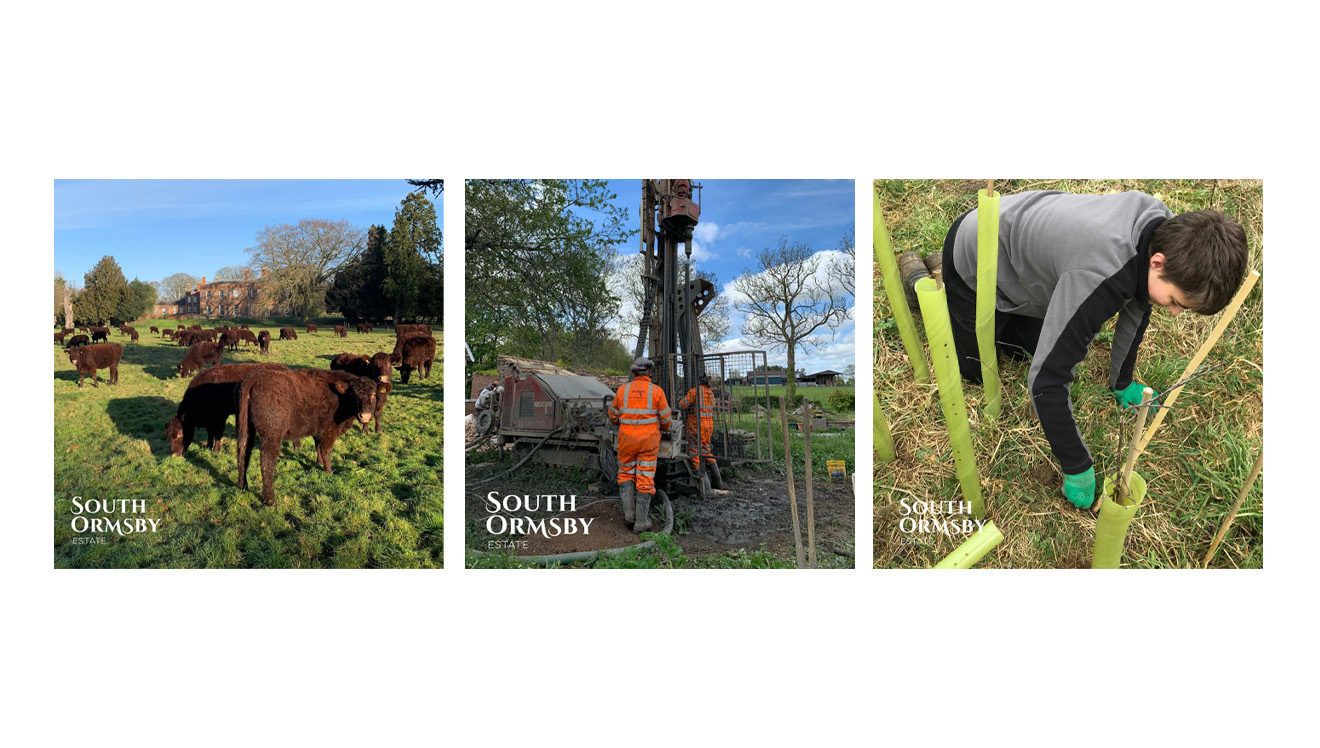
{"x": 229, "y": 298}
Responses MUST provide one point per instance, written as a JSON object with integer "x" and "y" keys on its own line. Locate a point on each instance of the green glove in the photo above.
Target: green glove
{"x": 1080, "y": 488}
{"x": 1130, "y": 396}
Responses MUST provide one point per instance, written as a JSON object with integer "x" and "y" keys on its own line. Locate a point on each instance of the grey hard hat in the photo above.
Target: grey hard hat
{"x": 641, "y": 364}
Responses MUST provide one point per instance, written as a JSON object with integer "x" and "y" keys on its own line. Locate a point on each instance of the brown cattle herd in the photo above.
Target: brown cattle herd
{"x": 271, "y": 402}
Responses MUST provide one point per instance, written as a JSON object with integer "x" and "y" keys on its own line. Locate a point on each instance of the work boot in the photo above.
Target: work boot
{"x": 626, "y": 498}
{"x": 911, "y": 269}
{"x": 643, "y": 522}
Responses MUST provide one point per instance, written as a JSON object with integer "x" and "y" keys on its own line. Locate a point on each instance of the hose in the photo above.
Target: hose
{"x": 576, "y": 556}
{"x": 520, "y": 462}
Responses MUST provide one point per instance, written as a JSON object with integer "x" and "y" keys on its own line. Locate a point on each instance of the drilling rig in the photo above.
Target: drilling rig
{"x": 557, "y": 417}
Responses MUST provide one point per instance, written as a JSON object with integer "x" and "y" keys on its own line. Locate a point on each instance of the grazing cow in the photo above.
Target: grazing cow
{"x": 311, "y": 327}
{"x": 207, "y": 335}
{"x": 155, "y": 329}
{"x": 229, "y": 340}
{"x": 246, "y": 336}
{"x": 75, "y": 341}
{"x": 88, "y": 358}
{"x": 101, "y": 334}
{"x": 280, "y": 406}
{"x": 167, "y": 334}
{"x": 243, "y": 327}
{"x": 59, "y": 337}
{"x": 397, "y": 356}
{"x": 418, "y": 353}
{"x": 341, "y": 331}
{"x": 263, "y": 341}
{"x": 288, "y": 333}
{"x": 363, "y": 327}
{"x": 82, "y": 328}
{"x": 200, "y": 356}
{"x": 69, "y": 331}
{"x": 184, "y": 338}
{"x": 132, "y": 335}
{"x": 210, "y": 399}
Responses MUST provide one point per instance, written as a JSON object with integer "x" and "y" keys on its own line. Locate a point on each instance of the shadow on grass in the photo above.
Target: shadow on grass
{"x": 143, "y": 418}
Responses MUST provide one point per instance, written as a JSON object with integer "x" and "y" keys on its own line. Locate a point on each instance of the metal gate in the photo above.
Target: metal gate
{"x": 742, "y": 402}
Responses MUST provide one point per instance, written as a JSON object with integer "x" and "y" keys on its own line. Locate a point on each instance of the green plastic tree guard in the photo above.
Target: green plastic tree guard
{"x": 987, "y": 284}
{"x": 1111, "y": 526}
{"x": 935, "y": 315}
{"x": 884, "y": 443}
{"x": 974, "y": 548}
{"x": 885, "y": 260}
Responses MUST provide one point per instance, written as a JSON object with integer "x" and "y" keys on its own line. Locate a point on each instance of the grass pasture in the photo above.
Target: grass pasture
{"x": 1195, "y": 465}
{"x": 382, "y": 507}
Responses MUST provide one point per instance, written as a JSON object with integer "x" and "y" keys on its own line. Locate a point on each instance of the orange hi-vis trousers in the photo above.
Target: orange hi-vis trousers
{"x": 641, "y": 410}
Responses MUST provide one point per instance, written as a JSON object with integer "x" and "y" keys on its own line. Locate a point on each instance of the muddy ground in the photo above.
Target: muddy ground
{"x": 751, "y": 514}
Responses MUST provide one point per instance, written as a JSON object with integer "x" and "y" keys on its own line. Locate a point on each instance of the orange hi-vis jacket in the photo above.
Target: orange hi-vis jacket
{"x": 699, "y": 402}
{"x": 641, "y": 411}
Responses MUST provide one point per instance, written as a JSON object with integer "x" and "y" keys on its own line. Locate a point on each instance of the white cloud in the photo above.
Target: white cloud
{"x": 706, "y": 231}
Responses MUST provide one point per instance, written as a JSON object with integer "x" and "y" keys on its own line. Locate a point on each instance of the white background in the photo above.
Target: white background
{"x": 608, "y": 89}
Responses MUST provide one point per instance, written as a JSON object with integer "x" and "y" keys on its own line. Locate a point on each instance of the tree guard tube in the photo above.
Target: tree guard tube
{"x": 884, "y": 258}
{"x": 1112, "y": 525}
{"x": 973, "y": 549}
{"x": 935, "y": 315}
{"x": 884, "y": 443}
{"x": 987, "y": 269}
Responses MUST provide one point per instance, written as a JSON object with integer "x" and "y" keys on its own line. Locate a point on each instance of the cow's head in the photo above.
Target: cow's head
{"x": 359, "y": 393}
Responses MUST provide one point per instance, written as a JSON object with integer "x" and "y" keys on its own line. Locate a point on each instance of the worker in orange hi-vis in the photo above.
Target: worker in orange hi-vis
{"x": 640, "y": 410}
{"x": 699, "y": 403}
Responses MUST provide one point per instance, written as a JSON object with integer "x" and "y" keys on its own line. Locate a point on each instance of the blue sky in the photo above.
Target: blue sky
{"x": 739, "y": 217}
{"x": 155, "y": 228}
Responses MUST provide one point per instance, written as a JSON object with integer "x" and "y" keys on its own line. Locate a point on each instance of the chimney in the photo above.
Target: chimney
{"x": 247, "y": 274}
{"x": 203, "y": 283}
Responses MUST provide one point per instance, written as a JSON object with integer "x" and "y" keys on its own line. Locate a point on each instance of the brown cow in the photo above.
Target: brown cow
{"x": 200, "y": 356}
{"x": 363, "y": 327}
{"x": 75, "y": 341}
{"x": 280, "y": 406}
{"x": 229, "y": 339}
{"x": 210, "y": 399}
{"x": 396, "y": 357}
{"x": 246, "y": 336}
{"x": 155, "y": 329}
{"x": 377, "y": 368}
{"x": 59, "y": 337}
{"x": 88, "y": 358}
{"x": 184, "y": 338}
{"x": 132, "y": 335}
{"x": 401, "y": 330}
{"x": 263, "y": 341}
{"x": 341, "y": 331}
{"x": 288, "y": 333}
{"x": 311, "y": 327}
{"x": 167, "y": 334}
{"x": 418, "y": 353}
{"x": 100, "y": 333}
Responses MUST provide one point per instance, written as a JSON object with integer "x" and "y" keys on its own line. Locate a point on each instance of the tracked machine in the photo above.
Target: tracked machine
{"x": 554, "y": 416}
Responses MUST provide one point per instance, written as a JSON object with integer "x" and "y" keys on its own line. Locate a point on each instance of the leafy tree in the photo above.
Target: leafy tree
{"x": 539, "y": 253}
{"x": 301, "y": 260}
{"x": 173, "y": 287}
{"x": 414, "y": 237}
{"x": 137, "y": 302}
{"x": 788, "y": 301}
{"x": 104, "y": 293}
{"x": 61, "y": 287}
{"x": 356, "y": 291}
{"x": 434, "y": 186}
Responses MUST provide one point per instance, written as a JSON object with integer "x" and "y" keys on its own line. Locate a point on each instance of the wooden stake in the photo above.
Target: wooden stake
{"x": 1229, "y": 313}
{"x": 989, "y": 188}
{"x": 792, "y": 494}
{"x": 811, "y": 509}
{"x": 1125, "y": 474}
{"x": 1232, "y": 513}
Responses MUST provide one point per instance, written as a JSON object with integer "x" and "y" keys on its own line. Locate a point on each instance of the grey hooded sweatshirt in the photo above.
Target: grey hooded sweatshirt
{"x": 1073, "y": 261}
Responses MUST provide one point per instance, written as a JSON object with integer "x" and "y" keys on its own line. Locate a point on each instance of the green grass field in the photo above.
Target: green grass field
{"x": 382, "y": 507}
{"x": 1195, "y": 465}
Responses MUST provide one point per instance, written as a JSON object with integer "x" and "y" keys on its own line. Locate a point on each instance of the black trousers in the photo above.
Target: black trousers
{"x": 1015, "y": 336}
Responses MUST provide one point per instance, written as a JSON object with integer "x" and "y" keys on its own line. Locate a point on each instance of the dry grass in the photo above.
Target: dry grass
{"x": 1195, "y": 465}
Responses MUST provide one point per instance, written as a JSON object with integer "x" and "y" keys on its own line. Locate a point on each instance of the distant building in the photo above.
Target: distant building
{"x": 229, "y": 298}
{"x": 760, "y": 376}
{"x": 827, "y": 378}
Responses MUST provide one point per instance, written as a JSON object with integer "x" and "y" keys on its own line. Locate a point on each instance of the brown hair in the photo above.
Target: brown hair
{"x": 1205, "y": 255}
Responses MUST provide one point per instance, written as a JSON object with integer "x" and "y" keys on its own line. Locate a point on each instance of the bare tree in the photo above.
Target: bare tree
{"x": 844, "y": 269}
{"x": 231, "y": 272}
{"x": 301, "y": 260}
{"x": 788, "y": 301}
{"x": 173, "y": 287}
